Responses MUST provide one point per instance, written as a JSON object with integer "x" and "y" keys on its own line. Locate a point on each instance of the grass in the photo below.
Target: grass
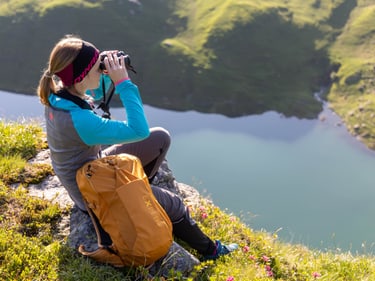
{"x": 206, "y": 19}
{"x": 352, "y": 93}
{"x": 41, "y": 6}
{"x": 31, "y": 247}
{"x": 248, "y": 56}
{"x": 18, "y": 143}
{"x": 231, "y": 57}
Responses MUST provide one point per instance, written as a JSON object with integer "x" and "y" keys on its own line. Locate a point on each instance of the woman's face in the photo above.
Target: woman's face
{"x": 93, "y": 77}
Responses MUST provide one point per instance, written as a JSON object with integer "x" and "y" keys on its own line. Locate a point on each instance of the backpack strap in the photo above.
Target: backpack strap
{"x": 104, "y": 105}
{"x": 78, "y": 101}
{"x": 104, "y": 240}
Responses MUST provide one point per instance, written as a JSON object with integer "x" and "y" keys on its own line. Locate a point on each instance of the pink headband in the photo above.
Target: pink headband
{"x": 82, "y": 64}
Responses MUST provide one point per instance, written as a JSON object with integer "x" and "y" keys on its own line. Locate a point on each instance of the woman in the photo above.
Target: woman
{"x": 75, "y": 133}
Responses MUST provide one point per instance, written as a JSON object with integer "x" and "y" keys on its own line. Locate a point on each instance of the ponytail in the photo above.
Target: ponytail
{"x": 46, "y": 86}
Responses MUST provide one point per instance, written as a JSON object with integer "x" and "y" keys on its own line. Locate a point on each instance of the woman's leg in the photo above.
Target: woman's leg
{"x": 150, "y": 151}
{"x": 184, "y": 227}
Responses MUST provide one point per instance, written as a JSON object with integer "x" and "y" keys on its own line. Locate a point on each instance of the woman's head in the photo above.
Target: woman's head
{"x": 69, "y": 63}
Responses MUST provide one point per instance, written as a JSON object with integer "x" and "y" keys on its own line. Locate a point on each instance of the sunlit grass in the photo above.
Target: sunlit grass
{"x": 352, "y": 94}
{"x": 18, "y": 143}
{"x": 205, "y": 19}
{"x": 312, "y": 11}
{"x": 263, "y": 257}
{"x": 41, "y": 6}
{"x": 20, "y": 139}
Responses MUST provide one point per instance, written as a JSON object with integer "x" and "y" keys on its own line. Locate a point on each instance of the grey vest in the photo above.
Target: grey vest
{"x": 68, "y": 151}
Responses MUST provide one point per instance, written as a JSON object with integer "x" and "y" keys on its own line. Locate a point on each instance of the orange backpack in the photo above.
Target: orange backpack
{"x": 124, "y": 212}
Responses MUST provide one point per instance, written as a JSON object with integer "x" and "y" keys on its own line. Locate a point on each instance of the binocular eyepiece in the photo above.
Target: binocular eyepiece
{"x": 119, "y": 54}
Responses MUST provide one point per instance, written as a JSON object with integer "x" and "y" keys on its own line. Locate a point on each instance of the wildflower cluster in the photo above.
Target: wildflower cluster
{"x": 264, "y": 261}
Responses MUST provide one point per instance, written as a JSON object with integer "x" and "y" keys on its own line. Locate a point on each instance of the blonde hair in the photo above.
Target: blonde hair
{"x": 63, "y": 54}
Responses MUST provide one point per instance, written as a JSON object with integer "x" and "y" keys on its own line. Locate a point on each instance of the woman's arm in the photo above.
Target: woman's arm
{"x": 94, "y": 129}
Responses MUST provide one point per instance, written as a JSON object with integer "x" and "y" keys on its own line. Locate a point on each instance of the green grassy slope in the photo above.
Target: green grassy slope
{"x": 352, "y": 94}
{"x": 255, "y": 56}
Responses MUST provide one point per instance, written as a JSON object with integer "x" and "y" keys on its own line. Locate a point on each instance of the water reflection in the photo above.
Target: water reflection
{"x": 270, "y": 125}
{"x": 308, "y": 177}
{"x": 18, "y": 106}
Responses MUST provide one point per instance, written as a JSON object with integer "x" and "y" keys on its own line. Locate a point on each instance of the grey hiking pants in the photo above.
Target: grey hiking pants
{"x": 150, "y": 151}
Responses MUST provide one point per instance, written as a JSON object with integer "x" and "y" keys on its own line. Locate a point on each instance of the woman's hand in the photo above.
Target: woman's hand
{"x": 115, "y": 66}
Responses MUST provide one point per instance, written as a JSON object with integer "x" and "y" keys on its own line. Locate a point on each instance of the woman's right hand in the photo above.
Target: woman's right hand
{"x": 115, "y": 66}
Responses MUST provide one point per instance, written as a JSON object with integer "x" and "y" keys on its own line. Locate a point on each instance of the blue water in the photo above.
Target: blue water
{"x": 307, "y": 179}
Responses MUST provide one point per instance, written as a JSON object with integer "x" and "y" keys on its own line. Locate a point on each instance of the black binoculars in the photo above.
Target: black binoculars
{"x": 119, "y": 54}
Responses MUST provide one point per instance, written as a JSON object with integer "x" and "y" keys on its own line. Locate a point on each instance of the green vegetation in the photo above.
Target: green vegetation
{"x": 352, "y": 93}
{"x": 41, "y": 6}
{"x": 32, "y": 248}
{"x": 231, "y": 57}
{"x": 275, "y": 54}
{"x": 247, "y": 57}
{"x": 19, "y": 143}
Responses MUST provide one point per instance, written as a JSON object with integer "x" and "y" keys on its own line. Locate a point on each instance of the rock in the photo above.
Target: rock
{"x": 79, "y": 229}
{"x": 51, "y": 189}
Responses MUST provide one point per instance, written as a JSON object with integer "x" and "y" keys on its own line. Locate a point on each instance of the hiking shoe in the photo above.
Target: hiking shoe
{"x": 221, "y": 250}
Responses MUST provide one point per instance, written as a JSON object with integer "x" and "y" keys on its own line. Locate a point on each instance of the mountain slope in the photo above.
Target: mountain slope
{"x": 232, "y": 57}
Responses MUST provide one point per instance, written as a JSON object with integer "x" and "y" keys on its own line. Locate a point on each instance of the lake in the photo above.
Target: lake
{"x": 308, "y": 179}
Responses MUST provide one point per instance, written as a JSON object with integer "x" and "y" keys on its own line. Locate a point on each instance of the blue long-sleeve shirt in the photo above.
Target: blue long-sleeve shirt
{"x": 74, "y": 134}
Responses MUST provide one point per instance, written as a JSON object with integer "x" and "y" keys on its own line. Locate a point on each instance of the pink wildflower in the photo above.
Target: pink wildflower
{"x": 245, "y": 249}
{"x": 252, "y": 257}
{"x": 316, "y": 274}
{"x": 265, "y": 258}
{"x": 202, "y": 208}
{"x": 232, "y": 218}
{"x": 269, "y": 271}
{"x": 204, "y": 216}
{"x": 230, "y": 278}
